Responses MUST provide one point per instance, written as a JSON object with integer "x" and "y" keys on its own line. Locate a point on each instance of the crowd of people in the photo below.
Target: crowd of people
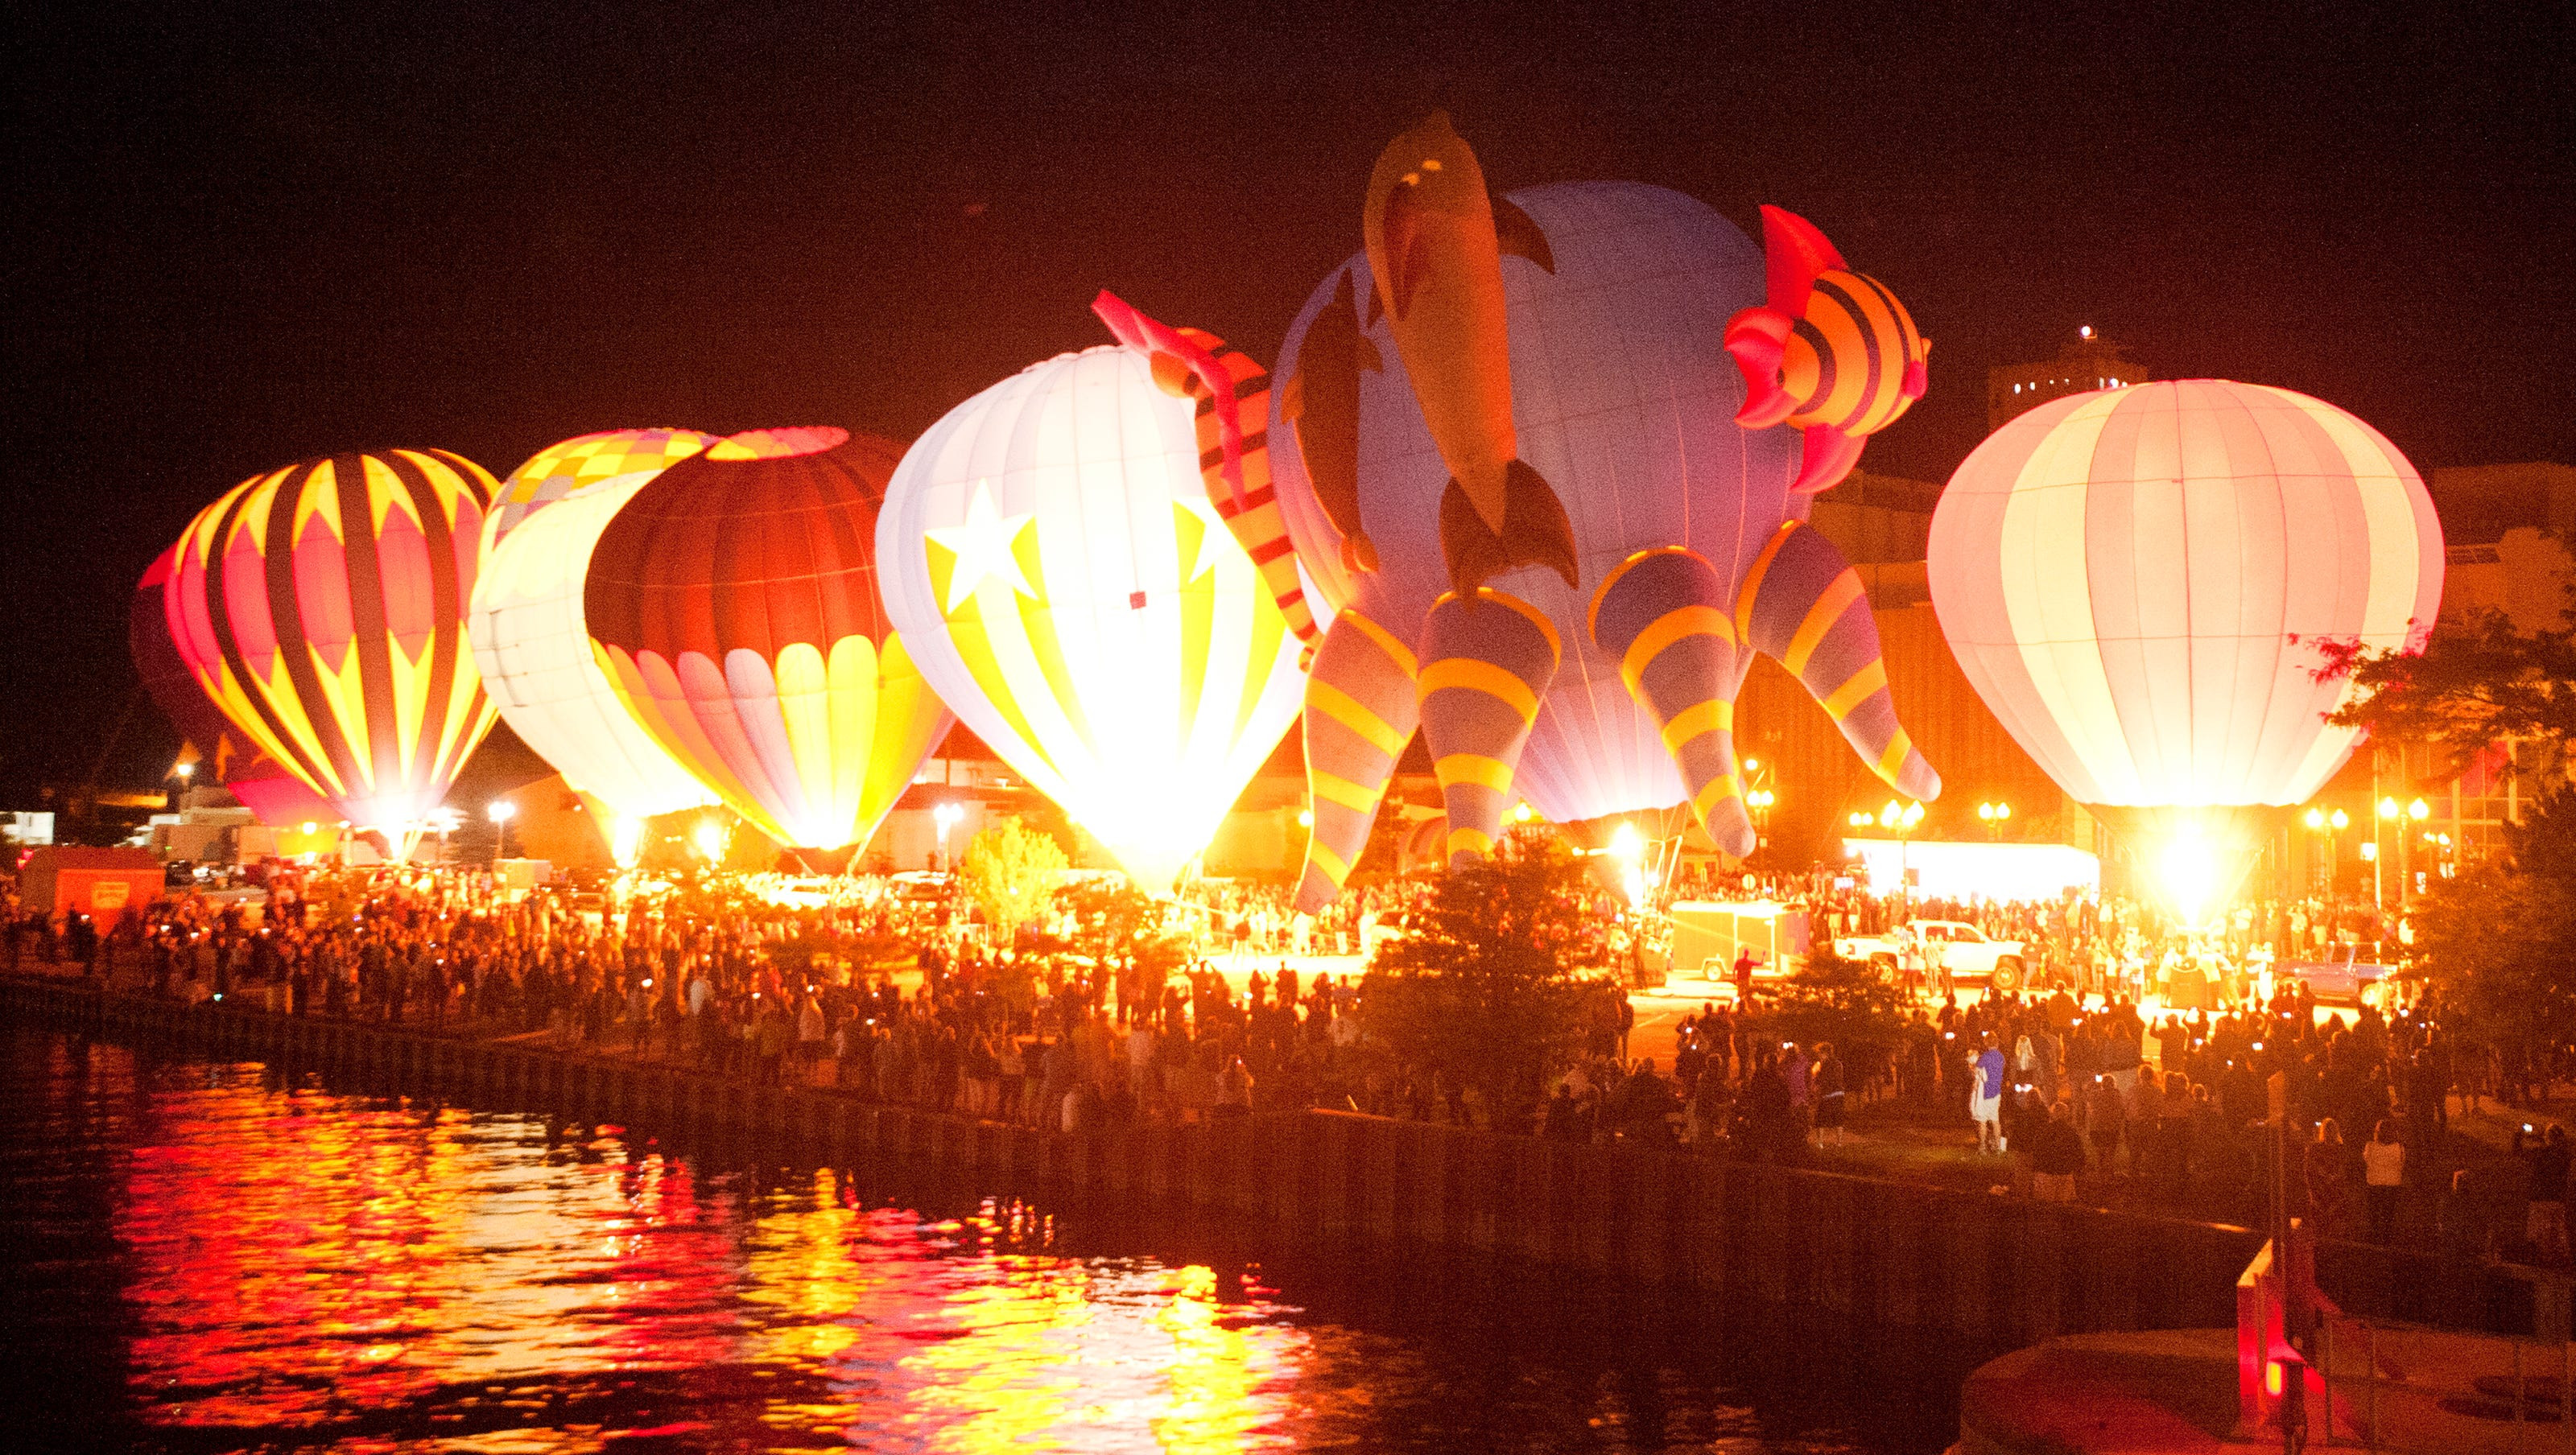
{"x": 852, "y": 984}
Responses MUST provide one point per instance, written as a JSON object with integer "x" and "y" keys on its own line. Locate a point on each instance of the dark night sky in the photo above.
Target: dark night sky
{"x": 242, "y": 237}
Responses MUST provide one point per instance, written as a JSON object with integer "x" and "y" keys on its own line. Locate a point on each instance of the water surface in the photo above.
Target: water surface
{"x": 220, "y": 1256}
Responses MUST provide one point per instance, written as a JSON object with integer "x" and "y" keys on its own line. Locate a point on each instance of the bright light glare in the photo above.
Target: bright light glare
{"x": 2419, "y": 810}
{"x": 626, "y": 841}
{"x": 710, "y": 839}
{"x": 2190, "y": 875}
{"x": 1305, "y": 818}
{"x": 1626, "y": 844}
{"x": 503, "y": 810}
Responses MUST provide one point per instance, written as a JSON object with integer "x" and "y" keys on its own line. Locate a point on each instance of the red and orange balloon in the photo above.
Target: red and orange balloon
{"x": 733, "y": 604}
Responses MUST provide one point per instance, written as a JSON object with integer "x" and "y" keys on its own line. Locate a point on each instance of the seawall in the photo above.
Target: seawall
{"x": 1994, "y": 1272}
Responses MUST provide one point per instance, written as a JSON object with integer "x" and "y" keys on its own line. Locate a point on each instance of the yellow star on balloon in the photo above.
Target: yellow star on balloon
{"x": 982, "y": 543}
{"x": 1203, "y": 559}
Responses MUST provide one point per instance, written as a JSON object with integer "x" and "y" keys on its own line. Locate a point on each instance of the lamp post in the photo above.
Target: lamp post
{"x": 2388, "y": 811}
{"x": 945, "y": 816}
{"x": 1994, "y": 816}
{"x": 2418, "y": 811}
{"x": 1901, "y": 820}
{"x": 2328, "y": 826}
{"x": 501, "y": 811}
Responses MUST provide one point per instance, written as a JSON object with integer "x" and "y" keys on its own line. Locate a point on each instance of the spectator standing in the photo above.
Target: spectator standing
{"x": 2383, "y": 1172}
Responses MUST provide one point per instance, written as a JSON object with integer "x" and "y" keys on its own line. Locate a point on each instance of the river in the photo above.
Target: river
{"x": 208, "y": 1256}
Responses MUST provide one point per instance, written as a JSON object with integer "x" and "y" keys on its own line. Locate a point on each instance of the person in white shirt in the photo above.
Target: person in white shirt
{"x": 2383, "y": 1172}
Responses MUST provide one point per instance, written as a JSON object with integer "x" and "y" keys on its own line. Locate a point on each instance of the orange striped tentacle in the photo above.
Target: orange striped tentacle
{"x": 1664, "y": 615}
{"x": 1234, "y": 459}
{"x": 1487, "y": 663}
{"x": 1807, "y": 610}
{"x": 1360, "y": 712}
{"x": 1233, "y": 422}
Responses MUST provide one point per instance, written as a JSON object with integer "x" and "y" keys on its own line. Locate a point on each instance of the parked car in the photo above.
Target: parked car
{"x": 2342, "y": 979}
{"x": 1955, "y": 945}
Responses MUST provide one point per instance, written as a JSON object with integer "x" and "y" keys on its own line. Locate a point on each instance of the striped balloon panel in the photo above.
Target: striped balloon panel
{"x": 1054, "y": 561}
{"x": 732, "y": 605}
{"x": 1845, "y": 360}
{"x": 226, "y": 755}
{"x": 1487, "y": 660}
{"x": 567, "y": 467}
{"x": 811, "y": 748}
{"x": 2135, "y": 580}
{"x": 322, "y": 607}
{"x": 1666, "y": 614}
{"x": 1804, "y": 606}
{"x": 532, "y": 645}
{"x": 1361, "y": 710}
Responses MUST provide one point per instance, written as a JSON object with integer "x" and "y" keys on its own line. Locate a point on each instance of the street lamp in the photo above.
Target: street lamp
{"x": 945, "y": 816}
{"x": 2328, "y": 826}
{"x": 1994, "y": 816}
{"x": 501, "y": 811}
{"x": 1900, "y": 820}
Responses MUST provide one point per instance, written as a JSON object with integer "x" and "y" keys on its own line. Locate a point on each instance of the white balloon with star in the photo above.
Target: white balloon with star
{"x": 1048, "y": 552}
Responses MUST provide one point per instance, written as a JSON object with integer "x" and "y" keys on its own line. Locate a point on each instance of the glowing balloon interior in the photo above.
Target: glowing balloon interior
{"x": 322, "y": 607}
{"x": 529, "y": 634}
{"x": 1051, "y": 553}
{"x": 2134, "y": 580}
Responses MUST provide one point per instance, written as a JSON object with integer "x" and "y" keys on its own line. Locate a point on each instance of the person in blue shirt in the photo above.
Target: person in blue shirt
{"x": 1986, "y": 1097}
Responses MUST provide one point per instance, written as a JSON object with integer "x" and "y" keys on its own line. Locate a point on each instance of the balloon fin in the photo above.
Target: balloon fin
{"x": 1804, "y": 606}
{"x": 1793, "y": 254}
{"x": 1756, "y": 338}
{"x": 1516, "y": 236}
{"x": 1665, "y": 615}
{"x": 1534, "y": 532}
{"x": 1488, "y": 660}
{"x": 1829, "y": 456}
{"x": 1360, "y": 712}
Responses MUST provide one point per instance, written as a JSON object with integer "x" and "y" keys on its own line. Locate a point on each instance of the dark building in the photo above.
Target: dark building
{"x": 2089, "y": 362}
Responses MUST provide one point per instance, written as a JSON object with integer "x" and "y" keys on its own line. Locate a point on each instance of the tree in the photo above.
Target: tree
{"x": 1490, "y": 981}
{"x": 1010, "y": 872}
{"x": 1846, "y": 1002}
{"x": 2466, "y": 688}
{"x": 2498, "y": 943}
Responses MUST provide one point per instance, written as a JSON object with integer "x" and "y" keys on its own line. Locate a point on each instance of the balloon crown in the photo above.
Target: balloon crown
{"x": 779, "y": 444}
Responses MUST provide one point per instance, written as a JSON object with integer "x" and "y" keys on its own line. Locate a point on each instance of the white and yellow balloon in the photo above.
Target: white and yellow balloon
{"x": 1049, "y": 553}
{"x": 528, "y": 632}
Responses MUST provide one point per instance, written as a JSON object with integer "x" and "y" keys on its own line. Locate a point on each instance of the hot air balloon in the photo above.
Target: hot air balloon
{"x": 527, "y": 626}
{"x": 1612, "y": 694}
{"x": 225, "y": 756}
{"x": 322, "y": 608}
{"x": 733, "y": 604}
{"x": 2135, "y": 580}
{"x": 1051, "y": 551}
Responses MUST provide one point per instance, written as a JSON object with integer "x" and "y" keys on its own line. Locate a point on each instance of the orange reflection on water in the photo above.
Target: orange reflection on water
{"x": 303, "y": 1260}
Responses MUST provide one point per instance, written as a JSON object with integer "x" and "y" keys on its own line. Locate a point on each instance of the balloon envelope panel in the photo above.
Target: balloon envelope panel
{"x": 1625, "y": 401}
{"x": 567, "y": 467}
{"x": 225, "y": 755}
{"x": 1051, "y": 553}
{"x": 532, "y": 644}
{"x": 2134, "y": 580}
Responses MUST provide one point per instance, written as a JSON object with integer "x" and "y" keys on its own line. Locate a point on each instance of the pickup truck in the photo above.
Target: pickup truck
{"x": 2343, "y": 979}
{"x": 1958, "y": 947}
